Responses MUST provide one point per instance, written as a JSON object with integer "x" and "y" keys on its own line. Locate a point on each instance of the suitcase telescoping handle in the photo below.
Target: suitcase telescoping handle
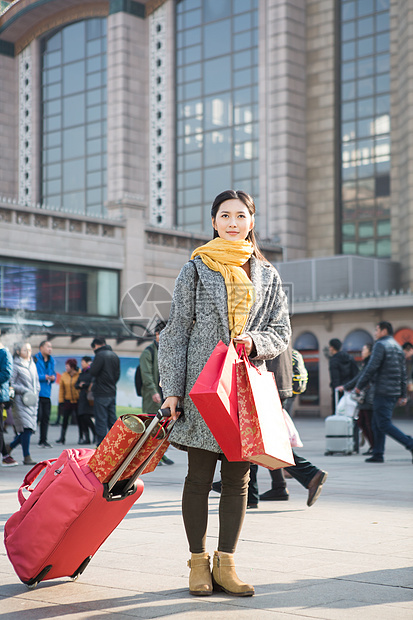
{"x": 161, "y": 415}
{"x": 337, "y": 398}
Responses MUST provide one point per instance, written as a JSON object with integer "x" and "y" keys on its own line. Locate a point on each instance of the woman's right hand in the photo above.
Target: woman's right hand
{"x": 171, "y": 403}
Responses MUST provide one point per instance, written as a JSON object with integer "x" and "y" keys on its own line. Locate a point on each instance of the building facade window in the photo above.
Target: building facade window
{"x": 355, "y": 341}
{"x": 217, "y": 104}
{"x": 365, "y": 127}
{"x": 74, "y": 117}
{"x": 49, "y": 287}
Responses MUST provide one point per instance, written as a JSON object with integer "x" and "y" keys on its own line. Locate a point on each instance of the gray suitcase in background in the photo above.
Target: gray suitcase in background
{"x": 341, "y": 433}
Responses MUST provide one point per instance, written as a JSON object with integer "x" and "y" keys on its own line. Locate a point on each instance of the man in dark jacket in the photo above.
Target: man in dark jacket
{"x": 387, "y": 368}
{"x": 105, "y": 370}
{"x": 342, "y": 367}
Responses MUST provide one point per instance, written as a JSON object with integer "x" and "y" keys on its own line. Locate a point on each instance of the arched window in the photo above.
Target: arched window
{"x": 74, "y": 117}
{"x": 354, "y": 342}
{"x": 306, "y": 342}
{"x": 307, "y": 345}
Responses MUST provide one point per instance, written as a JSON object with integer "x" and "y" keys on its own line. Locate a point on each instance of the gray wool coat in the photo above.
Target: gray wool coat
{"x": 24, "y": 379}
{"x": 198, "y": 321}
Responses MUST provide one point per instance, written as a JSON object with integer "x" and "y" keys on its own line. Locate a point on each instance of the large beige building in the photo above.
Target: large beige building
{"x": 120, "y": 121}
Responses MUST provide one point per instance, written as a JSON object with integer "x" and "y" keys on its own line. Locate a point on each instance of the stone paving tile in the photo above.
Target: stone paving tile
{"x": 358, "y": 610}
{"x": 347, "y": 556}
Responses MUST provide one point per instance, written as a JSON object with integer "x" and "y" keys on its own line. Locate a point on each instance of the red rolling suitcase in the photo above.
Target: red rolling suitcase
{"x": 69, "y": 513}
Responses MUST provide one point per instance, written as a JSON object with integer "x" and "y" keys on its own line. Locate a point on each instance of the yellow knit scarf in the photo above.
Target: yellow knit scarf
{"x": 227, "y": 257}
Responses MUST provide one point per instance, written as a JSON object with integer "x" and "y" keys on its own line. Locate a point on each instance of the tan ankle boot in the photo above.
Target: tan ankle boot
{"x": 200, "y": 581}
{"x": 225, "y": 578}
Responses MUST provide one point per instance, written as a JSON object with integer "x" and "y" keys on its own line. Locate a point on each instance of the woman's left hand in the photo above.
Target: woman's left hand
{"x": 246, "y": 340}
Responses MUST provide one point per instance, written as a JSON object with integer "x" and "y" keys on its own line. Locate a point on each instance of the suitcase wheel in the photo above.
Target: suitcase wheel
{"x": 32, "y": 583}
{"x": 81, "y": 568}
{"x": 32, "y": 586}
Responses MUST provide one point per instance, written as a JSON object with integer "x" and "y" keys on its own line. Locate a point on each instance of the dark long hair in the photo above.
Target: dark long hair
{"x": 247, "y": 200}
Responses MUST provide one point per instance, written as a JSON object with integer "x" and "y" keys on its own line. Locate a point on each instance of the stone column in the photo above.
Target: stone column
{"x": 128, "y": 136}
{"x": 128, "y": 98}
{"x": 282, "y": 124}
{"x": 402, "y": 137}
{"x": 320, "y": 108}
{"x": 9, "y": 98}
{"x": 37, "y": 122}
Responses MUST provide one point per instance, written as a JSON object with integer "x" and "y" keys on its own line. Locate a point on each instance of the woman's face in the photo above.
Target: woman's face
{"x": 68, "y": 367}
{"x": 365, "y": 352}
{"x": 233, "y": 220}
{"x": 26, "y": 351}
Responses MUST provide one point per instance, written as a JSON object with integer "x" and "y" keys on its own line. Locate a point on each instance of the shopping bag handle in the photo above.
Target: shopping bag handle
{"x": 30, "y": 477}
{"x": 242, "y": 354}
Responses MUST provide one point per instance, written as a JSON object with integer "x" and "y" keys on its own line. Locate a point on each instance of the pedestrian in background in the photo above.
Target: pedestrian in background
{"x": 45, "y": 365}
{"x": 342, "y": 368}
{"x": 151, "y": 390}
{"x": 6, "y": 371}
{"x": 68, "y": 397}
{"x": 365, "y": 410}
{"x": 408, "y": 354}
{"x": 387, "y": 368}
{"x": 26, "y": 385}
{"x": 105, "y": 371}
{"x": 85, "y": 402}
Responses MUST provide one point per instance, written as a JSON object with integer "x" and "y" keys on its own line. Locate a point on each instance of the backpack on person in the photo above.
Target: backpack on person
{"x": 138, "y": 374}
{"x": 300, "y": 374}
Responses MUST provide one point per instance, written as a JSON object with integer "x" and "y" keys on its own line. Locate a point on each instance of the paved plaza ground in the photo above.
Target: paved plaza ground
{"x": 348, "y": 556}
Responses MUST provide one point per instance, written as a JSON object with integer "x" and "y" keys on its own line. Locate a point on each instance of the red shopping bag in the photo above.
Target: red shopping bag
{"x": 215, "y": 396}
{"x": 264, "y": 434}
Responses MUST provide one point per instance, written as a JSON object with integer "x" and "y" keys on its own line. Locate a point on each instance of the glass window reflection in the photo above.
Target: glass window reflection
{"x": 73, "y": 77}
{"x": 73, "y": 42}
{"x": 365, "y": 26}
{"x": 217, "y": 39}
{"x": 365, "y": 130}
{"x": 365, "y": 46}
{"x": 216, "y": 114}
{"x": 214, "y": 10}
{"x": 217, "y": 75}
{"x": 73, "y": 52}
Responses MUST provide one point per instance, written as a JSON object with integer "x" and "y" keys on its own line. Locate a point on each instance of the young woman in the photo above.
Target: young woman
{"x": 68, "y": 397}
{"x": 25, "y": 382}
{"x": 228, "y": 291}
